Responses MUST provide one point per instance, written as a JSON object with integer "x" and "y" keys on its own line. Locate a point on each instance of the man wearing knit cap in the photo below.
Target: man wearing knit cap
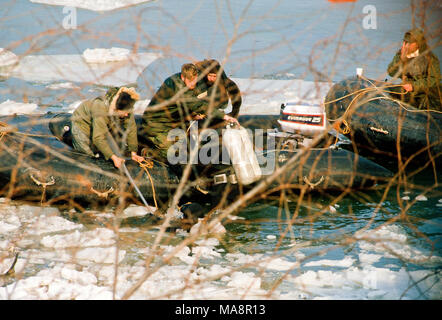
{"x": 107, "y": 125}
{"x": 220, "y": 88}
{"x": 419, "y": 70}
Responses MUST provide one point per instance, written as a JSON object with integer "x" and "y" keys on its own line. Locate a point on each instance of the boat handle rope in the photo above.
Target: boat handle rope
{"x": 379, "y": 130}
{"x": 313, "y": 185}
{"x": 43, "y": 184}
{"x": 104, "y": 194}
{"x": 4, "y": 129}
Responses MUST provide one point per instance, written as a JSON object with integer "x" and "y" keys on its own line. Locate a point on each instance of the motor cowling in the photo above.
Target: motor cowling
{"x": 305, "y": 119}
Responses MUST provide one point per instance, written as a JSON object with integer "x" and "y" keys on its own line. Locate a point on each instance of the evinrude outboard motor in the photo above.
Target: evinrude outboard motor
{"x": 299, "y": 123}
{"x": 305, "y": 119}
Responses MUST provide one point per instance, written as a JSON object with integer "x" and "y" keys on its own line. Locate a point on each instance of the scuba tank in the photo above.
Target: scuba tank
{"x": 242, "y": 154}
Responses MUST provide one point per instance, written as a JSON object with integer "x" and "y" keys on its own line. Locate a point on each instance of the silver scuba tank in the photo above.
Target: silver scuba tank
{"x": 242, "y": 154}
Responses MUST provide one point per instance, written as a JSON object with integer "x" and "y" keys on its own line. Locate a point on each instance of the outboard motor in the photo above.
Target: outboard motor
{"x": 305, "y": 119}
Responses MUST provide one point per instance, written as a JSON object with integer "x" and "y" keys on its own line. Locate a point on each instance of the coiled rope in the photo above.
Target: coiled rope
{"x": 104, "y": 194}
{"x": 313, "y": 185}
{"x": 358, "y": 93}
{"x": 3, "y": 131}
{"x": 43, "y": 184}
{"x": 146, "y": 165}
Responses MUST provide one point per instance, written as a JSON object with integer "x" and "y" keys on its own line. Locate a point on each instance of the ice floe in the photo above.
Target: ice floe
{"x": 74, "y": 68}
{"x": 10, "y": 107}
{"x": 102, "y": 55}
{"x": 94, "y": 5}
{"x": 265, "y": 96}
{"x": 345, "y": 263}
{"x": 7, "y": 58}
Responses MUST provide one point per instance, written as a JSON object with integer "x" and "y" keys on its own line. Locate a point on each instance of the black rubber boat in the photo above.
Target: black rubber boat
{"x": 382, "y": 128}
{"x": 38, "y": 163}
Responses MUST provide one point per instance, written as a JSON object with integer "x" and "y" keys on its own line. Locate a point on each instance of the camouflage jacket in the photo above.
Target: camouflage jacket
{"x": 173, "y": 106}
{"x": 95, "y": 119}
{"x": 422, "y": 72}
{"x": 225, "y": 89}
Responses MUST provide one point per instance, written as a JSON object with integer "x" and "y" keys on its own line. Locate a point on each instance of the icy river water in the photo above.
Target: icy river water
{"x": 377, "y": 244}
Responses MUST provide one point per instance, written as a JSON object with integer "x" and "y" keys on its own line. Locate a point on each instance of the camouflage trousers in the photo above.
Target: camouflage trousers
{"x": 81, "y": 141}
{"x": 160, "y": 146}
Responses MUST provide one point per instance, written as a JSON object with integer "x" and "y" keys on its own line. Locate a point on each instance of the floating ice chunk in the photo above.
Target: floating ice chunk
{"x": 100, "y": 255}
{"x": 421, "y": 197}
{"x": 258, "y": 93}
{"x": 10, "y": 107}
{"x": 208, "y": 242}
{"x": 62, "y": 85}
{"x": 74, "y": 68}
{"x": 97, "y": 237}
{"x": 94, "y": 5}
{"x": 244, "y": 280}
{"x": 233, "y": 218}
{"x": 214, "y": 271}
{"x": 205, "y": 252}
{"x": 8, "y": 61}
{"x": 182, "y": 254}
{"x": 102, "y": 55}
{"x": 346, "y": 262}
{"x": 52, "y": 224}
{"x": 137, "y": 211}
{"x": 240, "y": 258}
{"x": 202, "y": 228}
{"x": 271, "y": 237}
{"x": 367, "y": 258}
{"x": 83, "y": 278}
{"x": 6, "y": 228}
{"x": 7, "y": 58}
{"x": 279, "y": 264}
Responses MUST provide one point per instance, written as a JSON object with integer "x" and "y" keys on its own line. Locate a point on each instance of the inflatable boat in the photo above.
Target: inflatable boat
{"x": 381, "y": 127}
{"x": 38, "y": 163}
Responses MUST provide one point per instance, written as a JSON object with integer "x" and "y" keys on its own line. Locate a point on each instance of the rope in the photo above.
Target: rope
{"x": 145, "y": 165}
{"x": 201, "y": 190}
{"x": 43, "y": 184}
{"x": 102, "y": 194}
{"x": 3, "y": 132}
{"x": 357, "y": 94}
{"x": 313, "y": 185}
{"x": 379, "y": 130}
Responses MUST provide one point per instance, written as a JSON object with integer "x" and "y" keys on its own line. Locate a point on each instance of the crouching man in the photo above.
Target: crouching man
{"x": 107, "y": 125}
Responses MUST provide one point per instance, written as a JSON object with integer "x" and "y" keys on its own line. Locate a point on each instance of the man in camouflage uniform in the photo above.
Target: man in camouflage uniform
{"x": 223, "y": 89}
{"x": 419, "y": 70}
{"x": 179, "y": 100}
{"x": 106, "y": 125}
